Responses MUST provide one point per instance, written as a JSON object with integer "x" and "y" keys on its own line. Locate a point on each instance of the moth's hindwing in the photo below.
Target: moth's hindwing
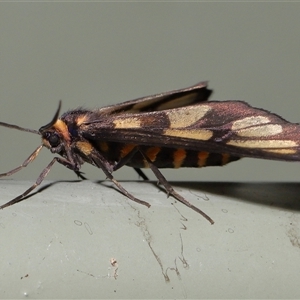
{"x": 179, "y": 98}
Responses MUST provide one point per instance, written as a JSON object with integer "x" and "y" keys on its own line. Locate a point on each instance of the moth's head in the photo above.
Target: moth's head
{"x": 55, "y": 135}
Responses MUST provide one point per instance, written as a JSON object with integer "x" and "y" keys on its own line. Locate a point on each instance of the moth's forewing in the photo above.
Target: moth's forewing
{"x": 232, "y": 127}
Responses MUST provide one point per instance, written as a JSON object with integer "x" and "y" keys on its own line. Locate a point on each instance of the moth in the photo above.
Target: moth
{"x": 180, "y": 128}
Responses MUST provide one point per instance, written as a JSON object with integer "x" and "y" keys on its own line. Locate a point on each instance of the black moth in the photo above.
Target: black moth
{"x": 175, "y": 129}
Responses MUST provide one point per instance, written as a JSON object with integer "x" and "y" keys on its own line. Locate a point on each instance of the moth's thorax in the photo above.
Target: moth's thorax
{"x": 61, "y": 127}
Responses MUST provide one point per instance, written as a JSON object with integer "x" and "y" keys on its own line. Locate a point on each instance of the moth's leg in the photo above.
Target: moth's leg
{"x": 126, "y": 193}
{"x": 80, "y": 175}
{"x": 32, "y": 156}
{"x": 141, "y": 173}
{"x": 126, "y": 159}
{"x": 40, "y": 179}
{"x": 171, "y": 191}
{"x": 102, "y": 163}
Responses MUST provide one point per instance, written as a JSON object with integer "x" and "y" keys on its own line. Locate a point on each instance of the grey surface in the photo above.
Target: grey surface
{"x": 59, "y": 243}
{"x": 93, "y": 54}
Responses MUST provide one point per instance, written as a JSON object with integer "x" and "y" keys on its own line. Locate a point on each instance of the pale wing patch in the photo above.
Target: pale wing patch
{"x": 263, "y": 144}
{"x": 249, "y": 121}
{"x": 282, "y": 151}
{"x": 260, "y": 131}
{"x": 187, "y": 116}
{"x": 123, "y": 123}
{"x": 195, "y": 134}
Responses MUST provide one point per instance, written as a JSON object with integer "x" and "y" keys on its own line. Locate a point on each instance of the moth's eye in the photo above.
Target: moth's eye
{"x": 53, "y": 139}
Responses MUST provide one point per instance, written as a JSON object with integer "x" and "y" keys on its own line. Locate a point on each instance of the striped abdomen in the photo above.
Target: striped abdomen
{"x": 164, "y": 157}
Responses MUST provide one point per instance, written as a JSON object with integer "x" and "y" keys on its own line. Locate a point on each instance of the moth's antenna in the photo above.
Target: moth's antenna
{"x": 43, "y": 128}
{"x": 18, "y": 128}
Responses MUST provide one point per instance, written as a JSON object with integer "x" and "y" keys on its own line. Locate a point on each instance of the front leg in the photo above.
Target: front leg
{"x": 40, "y": 179}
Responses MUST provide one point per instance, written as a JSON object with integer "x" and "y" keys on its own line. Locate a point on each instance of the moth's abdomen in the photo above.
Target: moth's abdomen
{"x": 162, "y": 157}
{"x": 178, "y": 158}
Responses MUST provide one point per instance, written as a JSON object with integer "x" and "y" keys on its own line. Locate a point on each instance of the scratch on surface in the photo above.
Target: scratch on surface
{"x": 205, "y": 197}
{"x": 87, "y": 273}
{"x": 184, "y": 227}
{"x": 182, "y": 216}
{"x": 114, "y": 263}
{"x": 142, "y": 225}
{"x": 145, "y": 231}
{"x": 88, "y": 228}
{"x": 49, "y": 244}
{"x": 115, "y": 274}
{"x": 78, "y": 222}
{"x": 148, "y": 238}
{"x": 174, "y": 269}
{"x": 167, "y": 279}
{"x": 183, "y": 260}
